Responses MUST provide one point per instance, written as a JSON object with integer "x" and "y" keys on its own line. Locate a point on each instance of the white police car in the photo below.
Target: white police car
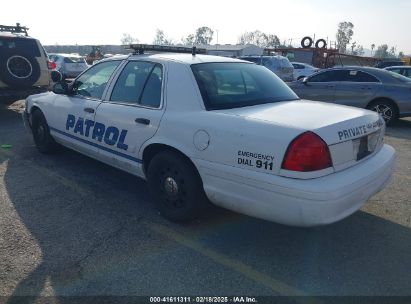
{"x": 203, "y": 128}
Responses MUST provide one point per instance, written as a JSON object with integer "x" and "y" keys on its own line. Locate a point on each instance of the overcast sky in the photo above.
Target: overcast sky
{"x": 104, "y": 22}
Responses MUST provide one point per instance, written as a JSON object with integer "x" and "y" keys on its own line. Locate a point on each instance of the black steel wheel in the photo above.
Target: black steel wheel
{"x": 176, "y": 187}
{"x": 41, "y": 134}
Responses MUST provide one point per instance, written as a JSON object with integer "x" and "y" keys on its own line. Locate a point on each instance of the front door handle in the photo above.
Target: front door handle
{"x": 143, "y": 121}
{"x": 89, "y": 110}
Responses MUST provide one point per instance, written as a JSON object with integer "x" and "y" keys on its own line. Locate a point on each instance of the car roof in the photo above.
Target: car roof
{"x": 265, "y": 56}
{"x": 187, "y": 59}
{"x": 398, "y": 67}
{"x": 15, "y": 35}
{"x": 302, "y": 63}
{"x": 66, "y": 55}
{"x": 356, "y": 67}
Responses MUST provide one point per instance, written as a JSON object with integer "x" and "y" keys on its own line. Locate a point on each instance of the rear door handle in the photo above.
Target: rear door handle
{"x": 89, "y": 110}
{"x": 143, "y": 121}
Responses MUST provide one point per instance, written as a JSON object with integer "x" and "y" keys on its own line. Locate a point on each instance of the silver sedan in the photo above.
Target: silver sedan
{"x": 379, "y": 90}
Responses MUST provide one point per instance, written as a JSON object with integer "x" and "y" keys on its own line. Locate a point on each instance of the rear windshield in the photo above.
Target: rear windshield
{"x": 233, "y": 85}
{"x": 20, "y": 45}
{"x": 74, "y": 60}
{"x": 285, "y": 63}
{"x": 399, "y": 77}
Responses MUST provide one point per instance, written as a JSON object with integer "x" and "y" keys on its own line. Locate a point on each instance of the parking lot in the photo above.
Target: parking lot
{"x": 70, "y": 225}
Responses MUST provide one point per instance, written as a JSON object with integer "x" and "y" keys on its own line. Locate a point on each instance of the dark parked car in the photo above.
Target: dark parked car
{"x": 402, "y": 70}
{"x": 385, "y": 64}
{"x": 280, "y": 65}
{"x": 379, "y": 90}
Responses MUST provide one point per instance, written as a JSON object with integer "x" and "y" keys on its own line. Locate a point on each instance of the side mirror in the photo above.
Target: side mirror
{"x": 61, "y": 88}
{"x": 56, "y": 76}
{"x": 305, "y": 80}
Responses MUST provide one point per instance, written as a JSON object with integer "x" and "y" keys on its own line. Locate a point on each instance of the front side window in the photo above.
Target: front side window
{"x": 139, "y": 83}
{"x": 233, "y": 85}
{"x": 93, "y": 82}
{"x": 327, "y": 76}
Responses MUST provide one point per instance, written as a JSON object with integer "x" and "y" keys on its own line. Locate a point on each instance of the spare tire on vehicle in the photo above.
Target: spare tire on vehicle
{"x": 18, "y": 70}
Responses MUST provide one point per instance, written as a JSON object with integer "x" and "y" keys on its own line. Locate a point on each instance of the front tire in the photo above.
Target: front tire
{"x": 386, "y": 109}
{"x": 41, "y": 134}
{"x": 176, "y": 187}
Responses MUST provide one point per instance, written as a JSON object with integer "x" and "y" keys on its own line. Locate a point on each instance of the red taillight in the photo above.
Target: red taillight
{"x": 51, "y": 65}
{"x": 307, "y": 152}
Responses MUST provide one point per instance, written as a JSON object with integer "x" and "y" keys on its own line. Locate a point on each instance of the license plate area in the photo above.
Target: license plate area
{"x": 365, "y": 145}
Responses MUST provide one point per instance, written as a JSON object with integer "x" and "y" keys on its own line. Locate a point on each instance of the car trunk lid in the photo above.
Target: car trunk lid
{"x": 352, "y": 134}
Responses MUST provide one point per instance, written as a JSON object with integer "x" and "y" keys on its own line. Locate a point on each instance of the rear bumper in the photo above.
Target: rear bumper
{"x": 293, "y": 201}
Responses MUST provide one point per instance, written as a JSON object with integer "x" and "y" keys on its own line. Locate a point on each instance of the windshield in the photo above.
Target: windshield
{"x": 233, "y": 85}
{"x": 399, "y": 77}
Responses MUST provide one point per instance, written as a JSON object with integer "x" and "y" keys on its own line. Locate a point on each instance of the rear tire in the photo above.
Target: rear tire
{"x": 45, "y": 143}
{"x": 176, "y": 187}
{"x": 386, "y": 109}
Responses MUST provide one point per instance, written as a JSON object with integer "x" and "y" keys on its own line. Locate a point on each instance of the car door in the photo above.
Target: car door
{"x": 72, "y": 118}
{"x": 131, "y": 114}
{"x": 319, "y": 87}
{"x": 355, "y": 88}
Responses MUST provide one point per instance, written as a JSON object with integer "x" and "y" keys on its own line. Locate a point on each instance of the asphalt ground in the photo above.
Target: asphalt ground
{"x": 72, "y": 226}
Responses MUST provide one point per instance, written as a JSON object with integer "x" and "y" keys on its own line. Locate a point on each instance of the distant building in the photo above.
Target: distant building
{"x": 324, "y": 58}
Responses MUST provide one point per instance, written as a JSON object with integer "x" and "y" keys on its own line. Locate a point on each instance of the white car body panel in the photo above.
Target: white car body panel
{"x": 224, "y": 145}
{"x": 306, "y": 71}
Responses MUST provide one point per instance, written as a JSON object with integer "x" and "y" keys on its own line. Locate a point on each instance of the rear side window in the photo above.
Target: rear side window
{"x": 363, "y": 77}
{"x": 140, "y": 83}
{"x": 232, "y": 85}
{"x": 354, "y": 76}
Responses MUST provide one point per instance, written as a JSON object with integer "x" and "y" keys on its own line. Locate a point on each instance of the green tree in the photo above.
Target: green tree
{"x": 162, "y": 39}
{"x": 189, "y": 40}
{"x": 382, "y": 51}
{"x": 344, "y": 35}
{"x": 128, "y": 39}
{"x": 260, "y": 39}
{"x": 203, "y": 35}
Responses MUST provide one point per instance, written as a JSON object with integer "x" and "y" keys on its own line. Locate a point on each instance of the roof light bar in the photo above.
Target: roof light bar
{"x": 14, "y": 29}
{"x": 141, "y": 48}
